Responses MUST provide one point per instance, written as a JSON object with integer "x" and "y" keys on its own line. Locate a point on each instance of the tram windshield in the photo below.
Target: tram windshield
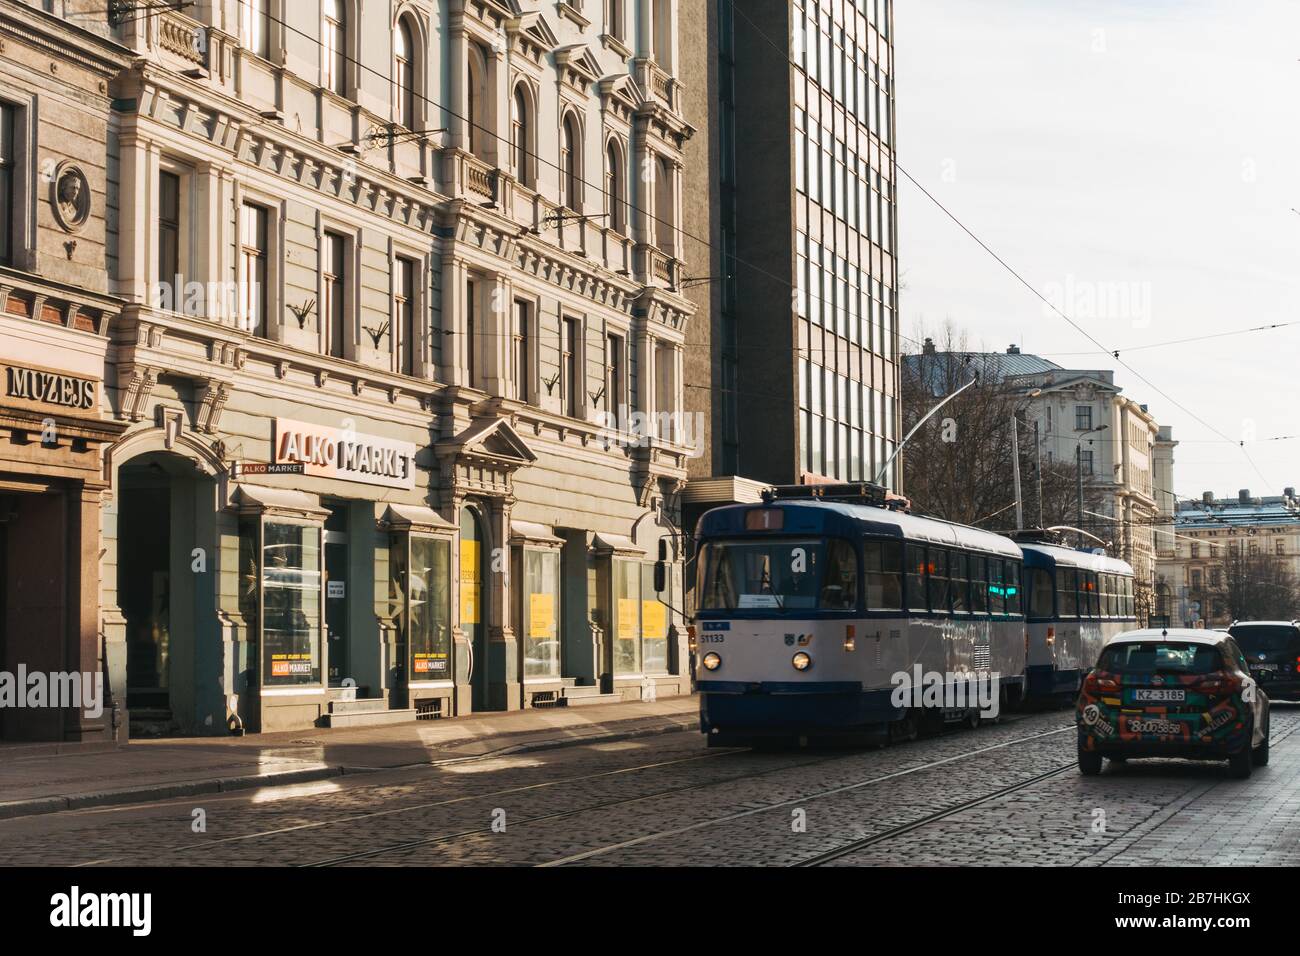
{"x": 779, "y": 575}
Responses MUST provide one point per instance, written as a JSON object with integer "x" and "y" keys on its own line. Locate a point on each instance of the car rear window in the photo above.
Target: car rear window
{"x": 1265, "y": 638}
{"x": 1161, "y": 657}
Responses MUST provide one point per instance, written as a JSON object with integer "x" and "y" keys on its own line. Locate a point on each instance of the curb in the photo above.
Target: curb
{"x": 143, "y": 795}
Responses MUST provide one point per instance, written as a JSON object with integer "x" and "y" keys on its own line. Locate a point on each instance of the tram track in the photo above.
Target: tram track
{"x": 802, "y": 799}
{"x": 902, "y": 829}
{"x": 576, "y": 811}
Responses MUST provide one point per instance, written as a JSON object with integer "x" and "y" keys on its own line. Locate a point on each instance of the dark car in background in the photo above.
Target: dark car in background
{"x": 1272, "y": 651}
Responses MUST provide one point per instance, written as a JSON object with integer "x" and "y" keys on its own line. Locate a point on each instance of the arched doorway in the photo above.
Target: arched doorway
{"x": 165, "y": 530}
{"x": 472, "y": 558}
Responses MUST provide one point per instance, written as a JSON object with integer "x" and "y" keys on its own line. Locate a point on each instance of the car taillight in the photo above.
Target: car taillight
{"x": 1218, "y": 684}
{"x": 1098, "y": 685}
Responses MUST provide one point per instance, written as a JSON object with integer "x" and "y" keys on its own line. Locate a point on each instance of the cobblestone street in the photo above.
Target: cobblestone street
{"x": 1000, "y": 795}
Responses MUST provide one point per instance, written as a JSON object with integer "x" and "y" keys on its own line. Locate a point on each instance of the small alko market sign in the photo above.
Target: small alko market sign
{"x": 342, "y": 453}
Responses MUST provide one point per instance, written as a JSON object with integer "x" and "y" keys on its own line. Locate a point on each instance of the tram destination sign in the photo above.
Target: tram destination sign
{"x": 328, "y": 452}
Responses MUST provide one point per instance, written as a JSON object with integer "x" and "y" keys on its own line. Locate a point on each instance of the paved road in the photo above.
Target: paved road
{"x": 1005, "y": 794}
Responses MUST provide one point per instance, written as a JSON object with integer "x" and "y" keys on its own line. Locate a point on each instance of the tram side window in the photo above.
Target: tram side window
{"x": 916, "y": 577}
{"x": 840, "y": 586}
{"x": 1108, "y": 595}
{"x": 1014, "y": 577}
{"x": 1128, "y": 597}
{"x": 1040, "y": 593}
{"x": 960, "y": 581}
{"x": 979, "y": 584}
{"x": 1067, "y": 598}
{"x": 997, "y": 587}
{"x": 884, "y": 568}
{"x": 939, "y": 602}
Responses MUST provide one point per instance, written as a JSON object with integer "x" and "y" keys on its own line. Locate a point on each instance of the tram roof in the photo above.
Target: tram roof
{"x": 841, "y": 518}
{"x": 1058, "y": 556}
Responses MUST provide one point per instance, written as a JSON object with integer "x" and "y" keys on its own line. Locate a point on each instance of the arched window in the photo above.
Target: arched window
{"x": 615, "y": 188}
{"x": 404, "y": 73}
{"x": 571, "y": 164}
{"x": 334, "y": 46}
{"x": 521, "y": 138}
{"x": 476, "y": 100}
{"x": 665, "y": 209}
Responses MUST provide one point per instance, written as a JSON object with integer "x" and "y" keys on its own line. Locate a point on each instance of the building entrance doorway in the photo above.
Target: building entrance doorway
{"x": 165, "y": 570}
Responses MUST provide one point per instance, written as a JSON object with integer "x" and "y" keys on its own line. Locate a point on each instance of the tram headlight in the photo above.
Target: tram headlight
{"x": 801, "y": 661}
{"x": 712, "y": 661}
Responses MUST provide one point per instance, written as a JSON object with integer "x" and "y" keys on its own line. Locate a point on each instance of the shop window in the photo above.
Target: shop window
{"x": 280, "y": 595}
{"x": 654, "y": 623}
{"x": 419, "y": 587}
{"x": 627, "y": 617}
{"x": 541, "y": 610}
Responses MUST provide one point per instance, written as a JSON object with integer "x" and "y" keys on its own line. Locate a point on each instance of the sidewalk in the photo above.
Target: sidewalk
{"x": 148, "y": 770}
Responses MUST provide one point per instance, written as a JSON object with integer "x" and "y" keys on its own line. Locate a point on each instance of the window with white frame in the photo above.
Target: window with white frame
{"x": 521, "y": 129}
{"x": 254, "y": 256}
{"x": 8, "y": 179}
{"x": 615, "y": 374}
{"x": 255, "y": 26}
{"x": 404, "y": 303}
{"x": 521, "y": 354}
{"x": 571, "y": 164}
{"x": 334, "y": 46}
{"x": 404, "y": 73}
{"x": 615, "y": 187}
{"x": 571, "y": 366}
{"x": 335, "y": 285}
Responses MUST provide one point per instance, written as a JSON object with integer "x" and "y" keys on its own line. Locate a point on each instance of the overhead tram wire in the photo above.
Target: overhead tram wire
{"x": 1019, "y": 278}
{"x": 429, "y": 101}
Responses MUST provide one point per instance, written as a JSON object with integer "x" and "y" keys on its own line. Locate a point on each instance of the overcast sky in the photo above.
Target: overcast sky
{"x": 1138, "y": 163}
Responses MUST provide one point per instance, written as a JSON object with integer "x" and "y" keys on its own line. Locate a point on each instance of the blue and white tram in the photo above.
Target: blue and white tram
{"x": 809, "y": 610}
{"x": 1075, "y": 602}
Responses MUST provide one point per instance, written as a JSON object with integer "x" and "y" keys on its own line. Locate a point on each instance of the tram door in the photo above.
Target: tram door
{"x": 471, "y": 605}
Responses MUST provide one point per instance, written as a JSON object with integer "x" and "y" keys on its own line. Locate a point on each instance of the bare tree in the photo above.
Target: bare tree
{"x": 1258, "y": 587}
{"x": 958, "y": 466}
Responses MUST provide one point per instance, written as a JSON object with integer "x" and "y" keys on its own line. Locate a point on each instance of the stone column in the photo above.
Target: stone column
{"x": 503, "y": 646}
{"x": 454, "y": 345}
{"x": 494, "y": 314}
{"x": 81, "y": 604}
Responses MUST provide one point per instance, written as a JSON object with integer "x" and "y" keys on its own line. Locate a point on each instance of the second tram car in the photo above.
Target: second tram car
{"x": 812, "y": 604}
{"x": 1075, "y": 601}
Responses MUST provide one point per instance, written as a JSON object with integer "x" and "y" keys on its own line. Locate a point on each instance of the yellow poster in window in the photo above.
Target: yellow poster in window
{"x": 654, "y": 620}
{"x": 541, "y": 615}
{"x": 470, "y": 577}
{"x": 628, "y": 622}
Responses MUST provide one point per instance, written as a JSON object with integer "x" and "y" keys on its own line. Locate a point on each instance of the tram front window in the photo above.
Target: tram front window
{"x": 779, "y": 575}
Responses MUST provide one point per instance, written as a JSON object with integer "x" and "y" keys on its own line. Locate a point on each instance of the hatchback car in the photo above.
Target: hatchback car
{"x": 1272, "y": 650}
{"x": 1172, "y": 693}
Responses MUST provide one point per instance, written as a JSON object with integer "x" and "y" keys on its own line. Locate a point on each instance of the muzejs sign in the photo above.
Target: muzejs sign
{"x": 342, "y": 453}
{"x": 48, "y": 390}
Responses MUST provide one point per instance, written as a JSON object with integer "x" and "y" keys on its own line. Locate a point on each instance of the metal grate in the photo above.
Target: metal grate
{"x": 544, "y": 698}
{"x": 428, "y": 709}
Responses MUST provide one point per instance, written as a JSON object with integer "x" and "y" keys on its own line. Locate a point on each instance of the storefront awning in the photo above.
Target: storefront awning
{"x": 417, "y": 518}
{"x": 259, "y": 499}
{"x": 616, "y": 544}
{"x": 525, "y": 532}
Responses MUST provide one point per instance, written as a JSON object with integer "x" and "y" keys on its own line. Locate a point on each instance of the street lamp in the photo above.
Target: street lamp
{"x": 880, "y": 476}
{"x": 1015, "y": 461}
{"x": 1078, "y": 472}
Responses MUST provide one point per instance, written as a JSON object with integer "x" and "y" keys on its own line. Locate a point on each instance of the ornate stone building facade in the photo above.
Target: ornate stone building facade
{"x": 397, "y": 362}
